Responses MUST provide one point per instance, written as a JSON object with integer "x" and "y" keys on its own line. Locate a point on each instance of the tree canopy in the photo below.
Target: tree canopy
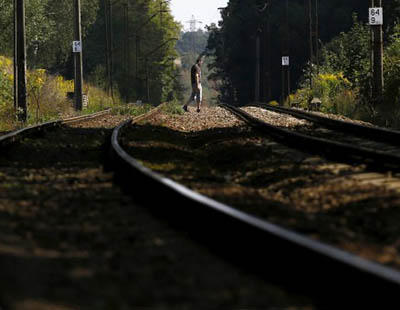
{"x": 148, "y": 23}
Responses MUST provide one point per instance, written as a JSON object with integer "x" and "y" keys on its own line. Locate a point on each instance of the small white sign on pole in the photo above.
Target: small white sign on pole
{"x": 285, "y": 61}
{"x": 375, "y": 16}
{"x": 76, "y": 46}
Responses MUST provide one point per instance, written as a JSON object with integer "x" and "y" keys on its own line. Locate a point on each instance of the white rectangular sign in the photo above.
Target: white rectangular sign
{"x": 376, "y": 16}
{"x": 76, "y": 46}
{"x": 285, "y": 61}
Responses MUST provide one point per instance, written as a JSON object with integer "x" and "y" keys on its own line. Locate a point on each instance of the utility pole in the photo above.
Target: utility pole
{"x": 286, "y": 58}
{"x": 261, "y": 41}
{"x": 310, "y": 38}
{"x": 371, "y": 48}
{"x": 78, "y": 56}
{"x": 20, "y": 61}
{"x": 15, "y": 58}
{"x": 312, "y": 17}
{"x": 107, "y": 46}
{"x": 376, "y": 22}
{"x": 111, "y": 49}
{"x": 257, "y": 71}
{"x": 268, "y": 51}
{"x": 317, "y": 35}
{"x": 147, "y": 80}
{"x": 126, "y": 50}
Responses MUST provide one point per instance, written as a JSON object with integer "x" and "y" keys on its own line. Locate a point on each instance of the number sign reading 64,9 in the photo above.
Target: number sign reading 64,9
{"x": 285, "y": 61}
{"x": 76, "y": 46}
{"x": 376, "y": 16}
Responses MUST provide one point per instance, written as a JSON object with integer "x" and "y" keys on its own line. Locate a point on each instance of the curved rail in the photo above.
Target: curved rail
{"x": 331, "y": 149}
{"x": 372, "y": 132}
{"x": 14, "y": 136}
{"x": 332, "y": 276}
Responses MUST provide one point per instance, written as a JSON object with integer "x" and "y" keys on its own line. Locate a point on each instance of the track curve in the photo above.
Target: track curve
{"x": 262, "y": 246}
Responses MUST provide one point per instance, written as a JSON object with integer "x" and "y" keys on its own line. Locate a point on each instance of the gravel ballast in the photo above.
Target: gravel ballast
{"x": 215, "y": 154}
{"x": 70, "y": 239}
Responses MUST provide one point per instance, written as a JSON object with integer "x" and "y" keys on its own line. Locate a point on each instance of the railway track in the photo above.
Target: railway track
{"x": 356, "y": 129}
{"x": 332, "y": 276}
{"x": 342, "y": 142}
{"x": 17, "y": 135}
{"x": 69, "y": 239}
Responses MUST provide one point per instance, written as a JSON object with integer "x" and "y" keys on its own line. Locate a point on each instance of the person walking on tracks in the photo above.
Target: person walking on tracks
{"x": 197, "y": 91}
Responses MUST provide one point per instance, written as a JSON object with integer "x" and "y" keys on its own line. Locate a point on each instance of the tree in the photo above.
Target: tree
{"x": 233, "y": 43}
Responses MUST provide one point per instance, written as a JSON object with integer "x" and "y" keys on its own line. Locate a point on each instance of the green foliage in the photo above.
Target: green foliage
{"x": 349, "y": 53}
{"x": 49, "y": 34}
{"x": 131, "y": 109}
{"x": 346, "y": 85}
{"x": 6, "y": 81}
{"x": 332, "y": 93}
{"x": 173, "y": 107}
{"x": 233, "y": 43}
{"x": 144, "y": 39}
{"x": 46, "y": 101}
{"x": 47, "y": 97}
{"x": 192, "y": 42}
{"x": 99, "y": 100}
{"x": 345, "y": 79}
{"x": 233, "y": 46}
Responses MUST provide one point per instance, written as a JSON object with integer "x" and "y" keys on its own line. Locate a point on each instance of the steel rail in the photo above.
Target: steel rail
{"x": 331, "y": 149}
{"x": 85, "y": 117}
{"x": 16, "y": 135}
{"x": 372, "y": 132}
{"x": 332, "y": 276}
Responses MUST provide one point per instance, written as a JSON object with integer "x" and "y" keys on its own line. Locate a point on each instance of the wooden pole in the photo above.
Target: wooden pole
{"x": 310, "y": 26}
{"x": 257, "y": 70}
{"x": 317, "y": 35}
{"x": 78, "y": 57}
{"x": 286, "y": 52}
{"x": 111, "y": 49}
{"x": 15, "y": 58}
{"x": 378, "y": 60}
{"x": 107, "y": 45}
{"x": 21, "y": 61}
{"x": 269, "y": 43}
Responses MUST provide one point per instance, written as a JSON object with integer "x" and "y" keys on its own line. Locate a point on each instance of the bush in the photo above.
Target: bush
{"x": 333, "y": 90}
{"x": 131, "y": 109}
{"x": 7, "y": 119}
{"x": 47, "y": 97}
{"x": 173, "y": 107}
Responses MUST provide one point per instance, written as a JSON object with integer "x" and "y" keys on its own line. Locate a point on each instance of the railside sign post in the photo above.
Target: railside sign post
{"x": 376, "y": 22}
{"x": 376, "y": 16}
{"x": 285, "y": 61}
{"x": 76, "y": 46}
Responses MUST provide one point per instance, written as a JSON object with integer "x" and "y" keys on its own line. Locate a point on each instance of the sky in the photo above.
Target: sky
{"x": 205, "y": 11}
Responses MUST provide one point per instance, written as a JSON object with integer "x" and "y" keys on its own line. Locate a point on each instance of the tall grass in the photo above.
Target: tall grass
{"x": 47, "y": 97}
